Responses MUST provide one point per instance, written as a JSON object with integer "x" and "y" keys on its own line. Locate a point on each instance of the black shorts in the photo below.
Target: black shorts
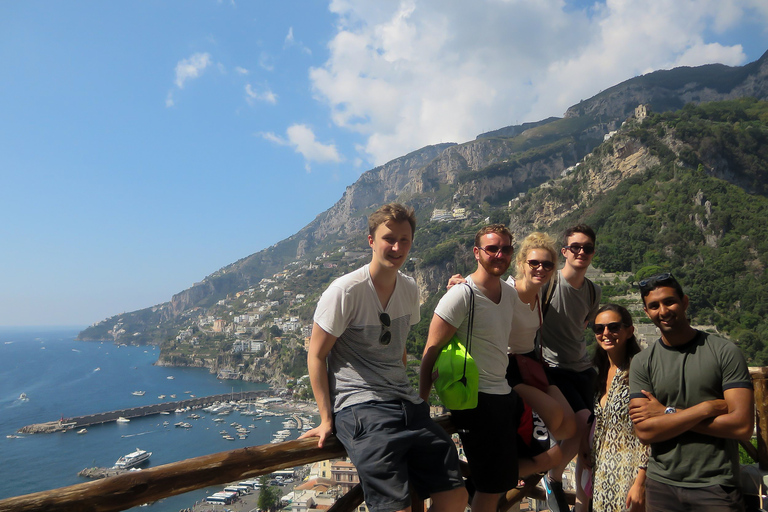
{"x": 394, "y": 443}
{"x": 513, "y": 371}
{"x": 488, "y": 433}
{"x": 532, "y": 434}
{"x": 577, "y": 387}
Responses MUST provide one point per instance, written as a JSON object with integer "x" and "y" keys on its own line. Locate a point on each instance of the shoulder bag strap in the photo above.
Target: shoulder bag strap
{"x": 470, "y": 325}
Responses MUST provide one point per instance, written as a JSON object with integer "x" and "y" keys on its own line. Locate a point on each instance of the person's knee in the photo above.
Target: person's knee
{"x": 567, "y": 427}
{"x": 485, "y": 502}
{"x": 581, "y": 419}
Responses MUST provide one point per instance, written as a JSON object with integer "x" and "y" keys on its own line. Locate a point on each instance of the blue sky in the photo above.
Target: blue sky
{"x": 144, "y": 145}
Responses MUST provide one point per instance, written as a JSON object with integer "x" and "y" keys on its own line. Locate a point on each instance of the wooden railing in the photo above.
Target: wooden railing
{"x": 134, "y": 488}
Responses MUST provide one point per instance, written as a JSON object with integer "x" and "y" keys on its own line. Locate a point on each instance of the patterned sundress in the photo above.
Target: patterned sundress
{"x": 617, "y": 452}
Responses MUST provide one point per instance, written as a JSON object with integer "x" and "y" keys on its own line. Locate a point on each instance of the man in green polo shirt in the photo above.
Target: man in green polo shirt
{"x": 691, "y": 399}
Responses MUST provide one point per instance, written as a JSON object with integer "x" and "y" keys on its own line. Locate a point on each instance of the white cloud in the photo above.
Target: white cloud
{"x": 290, "y": 40}
{"x": 302, "y": 139}
{"x": 406, "y": 74}
{"x": 193, "y": 67}
{"x": 252, "y": 95}
{"x": 241, "y": 71}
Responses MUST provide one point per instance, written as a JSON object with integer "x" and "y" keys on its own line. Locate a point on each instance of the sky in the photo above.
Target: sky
{"x": 145, "y": 145}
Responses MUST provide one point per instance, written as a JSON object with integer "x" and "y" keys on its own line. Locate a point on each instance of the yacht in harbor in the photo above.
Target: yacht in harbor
{"x": 133, "y": 459}
{"x": 138, "y": 393}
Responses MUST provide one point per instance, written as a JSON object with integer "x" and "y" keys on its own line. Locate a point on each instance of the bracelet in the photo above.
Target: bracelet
{"x": 642, "y": 467}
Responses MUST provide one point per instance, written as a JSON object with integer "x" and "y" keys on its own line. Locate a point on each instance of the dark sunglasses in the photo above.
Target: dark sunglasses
{"x": 651, "y": 282}
{"x": 613, "y": 327}
{"x": 386, "y": 336}
{"x": 575, "y": 248}
{"x": 494, "y": 250}
{"x": 546, "y": 265}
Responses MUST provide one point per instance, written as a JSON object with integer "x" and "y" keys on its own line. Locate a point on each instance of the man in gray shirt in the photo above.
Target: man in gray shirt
{"x": 570, "y": 301}
{"x": 356, "y": 363}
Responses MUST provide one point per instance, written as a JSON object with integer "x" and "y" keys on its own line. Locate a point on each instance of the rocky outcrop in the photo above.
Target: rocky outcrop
{"x": 671, "y": 89}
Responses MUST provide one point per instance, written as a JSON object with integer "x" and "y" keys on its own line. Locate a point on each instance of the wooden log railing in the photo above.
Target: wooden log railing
{"x": 134, "y": 488}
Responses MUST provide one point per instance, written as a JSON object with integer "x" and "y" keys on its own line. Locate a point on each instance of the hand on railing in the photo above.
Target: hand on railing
{"x": 323, "y": 431}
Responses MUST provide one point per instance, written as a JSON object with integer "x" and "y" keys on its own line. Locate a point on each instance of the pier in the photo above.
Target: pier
{"x": 138, "y": 412}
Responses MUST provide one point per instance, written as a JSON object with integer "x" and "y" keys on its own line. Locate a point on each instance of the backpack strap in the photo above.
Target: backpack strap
{"x": 550, "y": 291}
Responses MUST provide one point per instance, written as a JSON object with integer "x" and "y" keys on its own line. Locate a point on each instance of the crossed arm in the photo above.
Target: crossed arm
{"x": 730, "y": 418}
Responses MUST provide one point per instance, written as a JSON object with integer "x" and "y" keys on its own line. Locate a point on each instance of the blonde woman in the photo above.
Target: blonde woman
{"x": 535, "y": 264}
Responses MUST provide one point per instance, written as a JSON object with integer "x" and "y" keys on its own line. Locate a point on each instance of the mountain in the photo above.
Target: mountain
{"x": 483, "y": 176}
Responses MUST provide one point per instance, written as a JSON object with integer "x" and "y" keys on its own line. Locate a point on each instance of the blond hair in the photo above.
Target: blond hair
{"x": 536, "y": 240}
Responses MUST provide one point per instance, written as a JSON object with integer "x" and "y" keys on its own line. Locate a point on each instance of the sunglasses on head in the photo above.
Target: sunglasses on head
{"x": 613, "y": 327}
{"x": 575, "y": 248}
{"x": 546, "y": 264}
{"x": 651, "y": 282}
{"x": 386, "y": 336}
{"x": 494, "y": 250}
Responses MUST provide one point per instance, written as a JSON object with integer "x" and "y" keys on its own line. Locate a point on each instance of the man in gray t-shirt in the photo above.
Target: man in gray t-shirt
{"x": 356, "y": 361}
{"x": 569, "y": 302}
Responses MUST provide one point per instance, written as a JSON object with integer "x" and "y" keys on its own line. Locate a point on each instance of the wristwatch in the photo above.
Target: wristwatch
{"x": 670, "y": 410}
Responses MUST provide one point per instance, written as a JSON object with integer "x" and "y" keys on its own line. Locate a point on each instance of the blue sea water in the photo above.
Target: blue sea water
{"x": 64, "y": 378}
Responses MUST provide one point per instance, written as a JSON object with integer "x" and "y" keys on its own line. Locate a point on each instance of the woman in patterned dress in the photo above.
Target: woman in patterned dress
{"x": 619, "y": 458}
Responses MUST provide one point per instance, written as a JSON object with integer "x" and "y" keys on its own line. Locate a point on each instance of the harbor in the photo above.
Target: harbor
{"x": 141, "y": 411}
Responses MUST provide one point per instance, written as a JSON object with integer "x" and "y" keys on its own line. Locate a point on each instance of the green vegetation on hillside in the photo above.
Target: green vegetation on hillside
{"x": 677, "y": 217}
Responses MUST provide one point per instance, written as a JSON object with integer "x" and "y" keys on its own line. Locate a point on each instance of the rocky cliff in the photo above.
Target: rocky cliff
{"x": 492, "y": 169}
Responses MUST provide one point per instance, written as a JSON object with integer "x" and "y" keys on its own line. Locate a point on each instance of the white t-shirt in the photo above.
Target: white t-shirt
{"x": 525, "y": 324}
{"x": 360, "y": 368}
{"x": 490, "y": 333}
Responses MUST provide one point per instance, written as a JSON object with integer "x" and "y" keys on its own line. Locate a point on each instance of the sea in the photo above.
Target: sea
{"x": 62, "y": 377}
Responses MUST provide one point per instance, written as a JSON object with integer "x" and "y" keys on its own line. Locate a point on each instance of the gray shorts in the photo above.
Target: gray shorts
{"x": 393, "y": 444}
{"x": 661, "y": 497}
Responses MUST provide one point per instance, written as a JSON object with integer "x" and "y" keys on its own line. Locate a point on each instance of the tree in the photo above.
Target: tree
{"x": 269, "y": 497}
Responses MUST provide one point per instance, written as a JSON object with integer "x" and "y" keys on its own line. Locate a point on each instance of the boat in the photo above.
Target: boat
{"x": 23, "y": 397}
{"x": 133, "y": 459}
{"x": 138, "y": 393}
{"x": 170, "y": 377}
{"x": 183, "y": 424}
{"x": 122, "y": 420}
{"x": 160, "y": 396}
{"x": 82, "y": 431}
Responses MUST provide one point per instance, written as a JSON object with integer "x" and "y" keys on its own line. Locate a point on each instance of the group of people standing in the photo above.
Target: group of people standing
{"x": 528, "y": 343}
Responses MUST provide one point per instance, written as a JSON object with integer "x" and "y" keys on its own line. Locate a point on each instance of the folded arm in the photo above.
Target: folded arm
{"x": 730, "y": 418}
{"x": 739, "y": 421}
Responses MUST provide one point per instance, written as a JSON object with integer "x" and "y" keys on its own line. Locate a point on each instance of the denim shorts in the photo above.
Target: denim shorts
{"x": 393, "y": 444}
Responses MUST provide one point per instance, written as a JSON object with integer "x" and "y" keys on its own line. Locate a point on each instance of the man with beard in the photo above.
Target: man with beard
{"x": 691, "y": 399}
{"x": 487, "y": 431}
